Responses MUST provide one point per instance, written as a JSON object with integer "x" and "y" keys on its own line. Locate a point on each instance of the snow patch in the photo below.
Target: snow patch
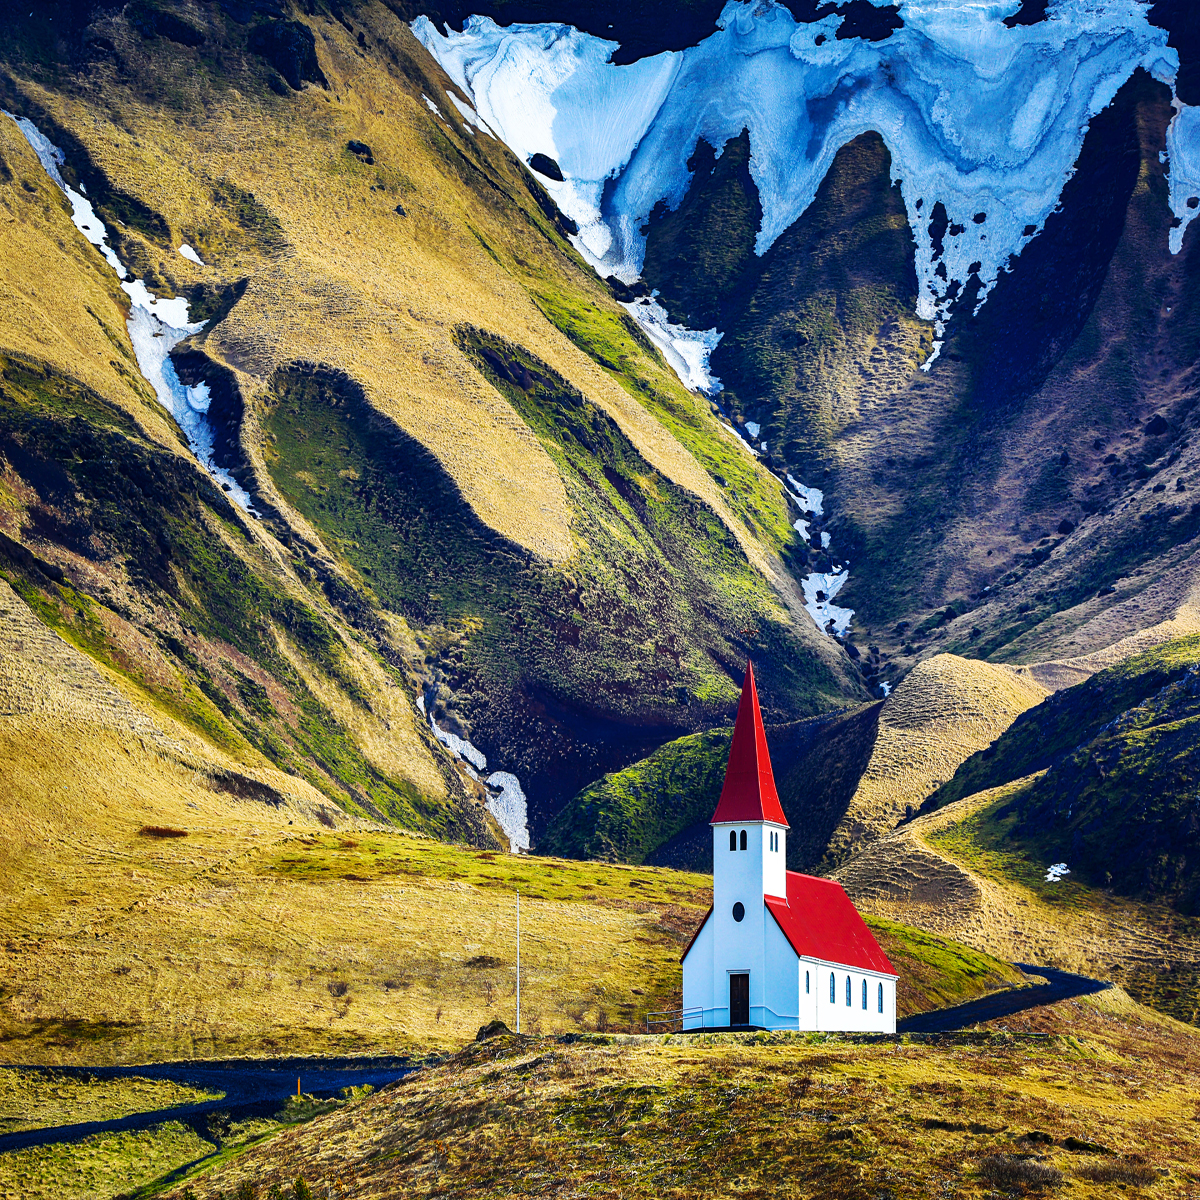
{"x": 1183, "y": 153}
{"x": 752, "y": 428}
{"x": 187, "y": 252}
{"x": 1057, "y": 873}
{"x": 459, "y": 747}
{"x": 506, "y": 801}
{"x": 156, "y": 326}
{"x": 433, "y": 108}
{"x": 83, "y": 215}
{"x": 811, "y": 500}
{"x": 510, "y": 809}
{"x": 686, "y": 350}
{"x": 801, "y": 527}
{"x": 819, "y": 591}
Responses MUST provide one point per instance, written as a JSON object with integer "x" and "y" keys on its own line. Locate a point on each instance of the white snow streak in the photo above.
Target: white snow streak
{"x": 156, "y": 326}
{"x": 686, "y": 350}
{"x": 1057, "y": 873}
{"x": 191, "y": 255}
{"x": 506, "y": 801}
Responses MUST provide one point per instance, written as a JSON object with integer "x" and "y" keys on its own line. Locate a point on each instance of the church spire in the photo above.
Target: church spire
{"x": 749, "y": 793}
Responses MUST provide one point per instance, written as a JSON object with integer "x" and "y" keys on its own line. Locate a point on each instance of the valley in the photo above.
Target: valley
{"x": 414, "y": 417}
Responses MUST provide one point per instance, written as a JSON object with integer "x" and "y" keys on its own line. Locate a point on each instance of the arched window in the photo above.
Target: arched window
{"x": 733, "y": 839}
{"x": 847, "y": 991}
{"x": 832, "y": 989}
{"x": 807, "y": 988}
{"x": 743, "y": 839}
{"x": 864, "y": 995}
{"x": 881, "y": 997}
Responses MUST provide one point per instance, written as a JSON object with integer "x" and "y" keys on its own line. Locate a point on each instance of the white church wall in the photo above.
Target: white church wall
{"x": 834, "y": 1014}
{"x": 698, "y": 980}
{"x": 780, "y": 999}
{"x": 737, "y": 945}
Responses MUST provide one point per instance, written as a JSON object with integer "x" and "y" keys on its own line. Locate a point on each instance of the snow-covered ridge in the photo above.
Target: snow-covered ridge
{"x": 983, "y": 120}
{"x": 156, "y": 325}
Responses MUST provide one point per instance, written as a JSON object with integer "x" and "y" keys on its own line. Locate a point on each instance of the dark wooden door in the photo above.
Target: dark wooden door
{"x": 739, "y": 999}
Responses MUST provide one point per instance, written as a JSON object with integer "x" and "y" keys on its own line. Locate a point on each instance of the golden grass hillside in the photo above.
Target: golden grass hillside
{"x": 1098, "y": 1102}
{"x": 353, "y": 284}
{"x": 161, "y": 900}
{"x": 944, "y": 710}
{"x": 951, "y": 872}
{"x": 605, "y": 545}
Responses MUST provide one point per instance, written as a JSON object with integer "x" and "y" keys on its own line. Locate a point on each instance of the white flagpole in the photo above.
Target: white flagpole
{"x": 518, "y": 962}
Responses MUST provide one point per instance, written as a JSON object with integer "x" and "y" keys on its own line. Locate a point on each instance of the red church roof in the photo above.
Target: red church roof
{"x": 820, "y": 921}
{"x": 749, "y": 793}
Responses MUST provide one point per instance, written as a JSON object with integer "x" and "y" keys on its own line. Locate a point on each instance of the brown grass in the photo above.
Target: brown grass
{"x": 945, "y": 710}
{"x": 778, "y": 1116}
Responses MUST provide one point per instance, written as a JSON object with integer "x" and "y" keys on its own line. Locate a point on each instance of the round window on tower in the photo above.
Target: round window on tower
{"x": 739, "y": 911}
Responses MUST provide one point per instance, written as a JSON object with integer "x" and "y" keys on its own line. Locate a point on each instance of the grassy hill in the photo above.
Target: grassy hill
{"x": 781, "y": 1116}
{"x": 843, "y": 779}
{"x": 1115, "y": 800}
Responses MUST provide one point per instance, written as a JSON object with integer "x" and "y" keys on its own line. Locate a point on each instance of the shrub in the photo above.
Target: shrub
{"x": 301, "y": 1190}
{"x": 1122, "y": 1171}
{"x": 161, "y": 831}
{"x": 1008, "y": 1169}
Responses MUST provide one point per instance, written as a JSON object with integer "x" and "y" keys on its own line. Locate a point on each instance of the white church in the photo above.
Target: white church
{"x": 777, "y": 950}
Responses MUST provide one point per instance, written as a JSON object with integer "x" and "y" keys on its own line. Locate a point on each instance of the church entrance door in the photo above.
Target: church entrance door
{"x": 739, "y": 999}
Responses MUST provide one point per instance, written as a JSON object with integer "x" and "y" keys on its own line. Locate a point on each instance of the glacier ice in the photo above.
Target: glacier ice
{"x": 156, "y": 326}
{"x": 980, "y": 119}
{"x": 984, "y": 124}
{"x": 1183, "y": 154}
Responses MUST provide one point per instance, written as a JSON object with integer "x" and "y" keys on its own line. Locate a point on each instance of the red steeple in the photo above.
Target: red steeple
{"x": 749, "y": 793}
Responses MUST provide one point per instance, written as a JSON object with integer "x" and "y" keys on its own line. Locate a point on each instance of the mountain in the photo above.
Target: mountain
{"x": 1111, "y": 765}
{"x": 366, "y": 431}
{"x": 416, "y": 415}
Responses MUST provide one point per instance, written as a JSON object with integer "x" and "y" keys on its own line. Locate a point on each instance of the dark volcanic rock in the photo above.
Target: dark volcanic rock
{"x": 543, "y": 164}
{"x": 291, "y": 49}
{"x": 151, "y": 21}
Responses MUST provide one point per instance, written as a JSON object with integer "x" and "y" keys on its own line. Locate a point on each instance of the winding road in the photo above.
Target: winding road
{"x": 1059, "y": 985}
{"x": 251, "y": 1088}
